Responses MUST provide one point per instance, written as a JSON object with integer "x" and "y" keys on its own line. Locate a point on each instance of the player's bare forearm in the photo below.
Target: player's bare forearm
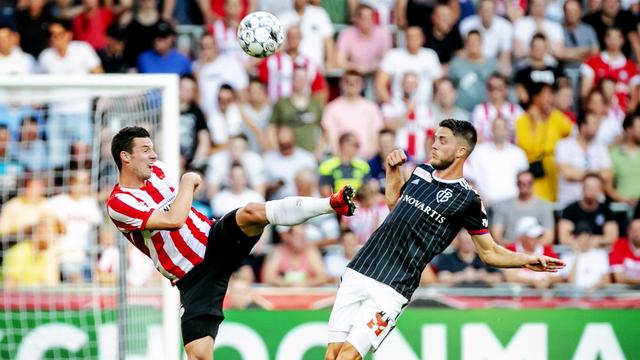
{"x": 179, "y": 210}
{"x": 495, "y": 255}
{"x": 395, "y": 180}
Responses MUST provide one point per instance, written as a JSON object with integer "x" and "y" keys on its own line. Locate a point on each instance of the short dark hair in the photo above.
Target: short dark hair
{"x": 474, "y": 32}
{"x": 538, "y": 36}
{"x": 462, "y": 130}
{"x": 593, "y": 175}
{"x": 345, "y": 137}
{"x": 66, "y": 24}
{"x": 386, "y": 130}
{"x": 123, "y": 141}
{"x": 630, "y": 119}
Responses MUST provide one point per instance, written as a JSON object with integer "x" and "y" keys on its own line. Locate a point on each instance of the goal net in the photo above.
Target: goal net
{"x": 71, "y": 287}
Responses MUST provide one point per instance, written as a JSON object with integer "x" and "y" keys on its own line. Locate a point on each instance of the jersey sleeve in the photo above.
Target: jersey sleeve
{"x": 475, "y": 219}
{"x": 127, "y": 213}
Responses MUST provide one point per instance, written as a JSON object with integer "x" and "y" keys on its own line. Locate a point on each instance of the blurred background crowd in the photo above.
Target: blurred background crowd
{"x": 552, "y": 86}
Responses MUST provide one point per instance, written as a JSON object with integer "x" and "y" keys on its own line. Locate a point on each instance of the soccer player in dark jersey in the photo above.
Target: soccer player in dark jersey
{"x": 428, "y": 210}
{"x": 196, "y": 254}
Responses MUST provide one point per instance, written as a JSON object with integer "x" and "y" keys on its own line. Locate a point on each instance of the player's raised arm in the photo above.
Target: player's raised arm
{"x": 179, "y": 211}
{"x": 395, "y": 179}
{"x": 495, "y": 255}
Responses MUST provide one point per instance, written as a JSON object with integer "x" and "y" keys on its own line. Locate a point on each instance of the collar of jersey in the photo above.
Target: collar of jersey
{"x": 433, "y": 174}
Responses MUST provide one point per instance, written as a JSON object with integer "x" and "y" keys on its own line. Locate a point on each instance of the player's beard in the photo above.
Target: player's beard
{"x": 442, "y": 164}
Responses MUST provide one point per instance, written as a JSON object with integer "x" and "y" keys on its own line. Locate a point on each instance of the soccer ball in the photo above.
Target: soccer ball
{"x": 260, "y": 34}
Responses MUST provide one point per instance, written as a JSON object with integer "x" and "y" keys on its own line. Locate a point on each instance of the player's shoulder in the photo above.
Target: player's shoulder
{"x": 159, "y": 169}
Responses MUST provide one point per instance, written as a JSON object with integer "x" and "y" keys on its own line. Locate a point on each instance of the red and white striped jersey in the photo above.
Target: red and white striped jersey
{"x": 417, "y": 129}
{"x": 226, "y": 41}
{"x": 484, "y": 114}
{"x": 174, "y": 253}
{"x": 277, "y": 72}
{"x": 621, "y": 70}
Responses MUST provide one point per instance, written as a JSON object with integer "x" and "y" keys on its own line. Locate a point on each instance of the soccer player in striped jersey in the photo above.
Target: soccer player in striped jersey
{"x": 427, "y": 211}
{"x": 196, "y": 254}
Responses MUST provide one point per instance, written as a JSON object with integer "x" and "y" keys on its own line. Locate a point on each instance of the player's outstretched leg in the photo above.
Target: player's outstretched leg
{"x": 293, "y": 210}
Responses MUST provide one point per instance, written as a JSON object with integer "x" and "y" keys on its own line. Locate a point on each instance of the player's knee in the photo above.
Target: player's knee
{"x": 332, "y": 352}
{"x": 252, "y": 214}
{"x": 199, "y": 353}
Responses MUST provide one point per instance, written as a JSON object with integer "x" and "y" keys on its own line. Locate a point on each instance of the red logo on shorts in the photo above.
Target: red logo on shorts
{"x": 378, "y": 323}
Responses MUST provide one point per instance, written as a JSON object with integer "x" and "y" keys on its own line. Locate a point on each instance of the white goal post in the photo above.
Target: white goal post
{"x": 40, "y": 87}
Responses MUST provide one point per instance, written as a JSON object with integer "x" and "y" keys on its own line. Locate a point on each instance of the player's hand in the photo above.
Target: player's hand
{"x": 191, "y": 179}
{"x": 544, "y": 264}
{"x": 396, "y": 158}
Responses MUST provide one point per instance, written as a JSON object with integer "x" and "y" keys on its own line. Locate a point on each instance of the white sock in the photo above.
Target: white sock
{"x": 295, "y": 210}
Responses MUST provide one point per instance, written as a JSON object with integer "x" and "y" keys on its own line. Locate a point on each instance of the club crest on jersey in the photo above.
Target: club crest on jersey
{"x": 444, "y": 195}
{"x": 378, "y": 323}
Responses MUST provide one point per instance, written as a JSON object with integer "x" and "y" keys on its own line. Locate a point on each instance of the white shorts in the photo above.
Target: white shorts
{"x": 364, "y": 313}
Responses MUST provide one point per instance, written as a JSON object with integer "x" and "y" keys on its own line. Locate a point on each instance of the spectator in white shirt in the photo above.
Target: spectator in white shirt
{"x": 238, "y": 151}
{"x": 577, "y": 156}
{"x": 498, "y": 106}
{"x": 69, "y": 122}
{"x": 413, "y": 58}
{"x": 13, "y": 61}
{"x": 214, "y": 70}
{"x": 587, "y": 265}
{"x": 494, "y": 166}
{"x": 225, "y": 122}
{"x": 80, "y": 212}
{"x": 497, "y": 33}
{"x": 238, "y": 193}
{"x": 317, "y": 31}
{"x": 283, "y": 164}
{"x": 525, "y": 27}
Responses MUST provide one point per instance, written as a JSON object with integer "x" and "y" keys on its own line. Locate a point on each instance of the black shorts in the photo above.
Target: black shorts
{"x": 202, "y": 289}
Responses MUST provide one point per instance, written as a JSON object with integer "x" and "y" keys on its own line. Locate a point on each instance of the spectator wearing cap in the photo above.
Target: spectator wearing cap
{"x": 13, "y": 61}
{"x": 496, "y": 33}
{"x": 163, "y": 58}
{"x": 463, "y": 266}
{"x": 579, "y": 155}
{"x": 591, "y": 210}
{"x": 494, "y": 165}
{"x": 352, "y": 113}
{"x": 625, "y": 256}
{"x": 537, "y": 132}
{"x": 529, "y": 241}
{"x": 317, "y": 31}
{"x": 507, "y": 213}
{"x": 626, "y": 163}
{"x": 112, "y": 54}
{"x": 92, "y": 23}
{"x": 587, "y": 264}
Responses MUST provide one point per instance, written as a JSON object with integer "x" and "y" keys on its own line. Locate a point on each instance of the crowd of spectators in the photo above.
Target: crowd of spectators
{"x": 551, "y": 86}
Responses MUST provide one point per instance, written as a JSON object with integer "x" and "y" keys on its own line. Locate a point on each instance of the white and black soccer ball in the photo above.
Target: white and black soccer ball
{"x": 260, "y": 34}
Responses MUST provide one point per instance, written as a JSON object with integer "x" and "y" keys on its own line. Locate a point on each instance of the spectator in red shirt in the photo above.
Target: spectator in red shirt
{"x": 530, "y": 234}
{"x": 612, "y": 63}
{"x": 625, "y": 256}
{"x": 92, "y": 24}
